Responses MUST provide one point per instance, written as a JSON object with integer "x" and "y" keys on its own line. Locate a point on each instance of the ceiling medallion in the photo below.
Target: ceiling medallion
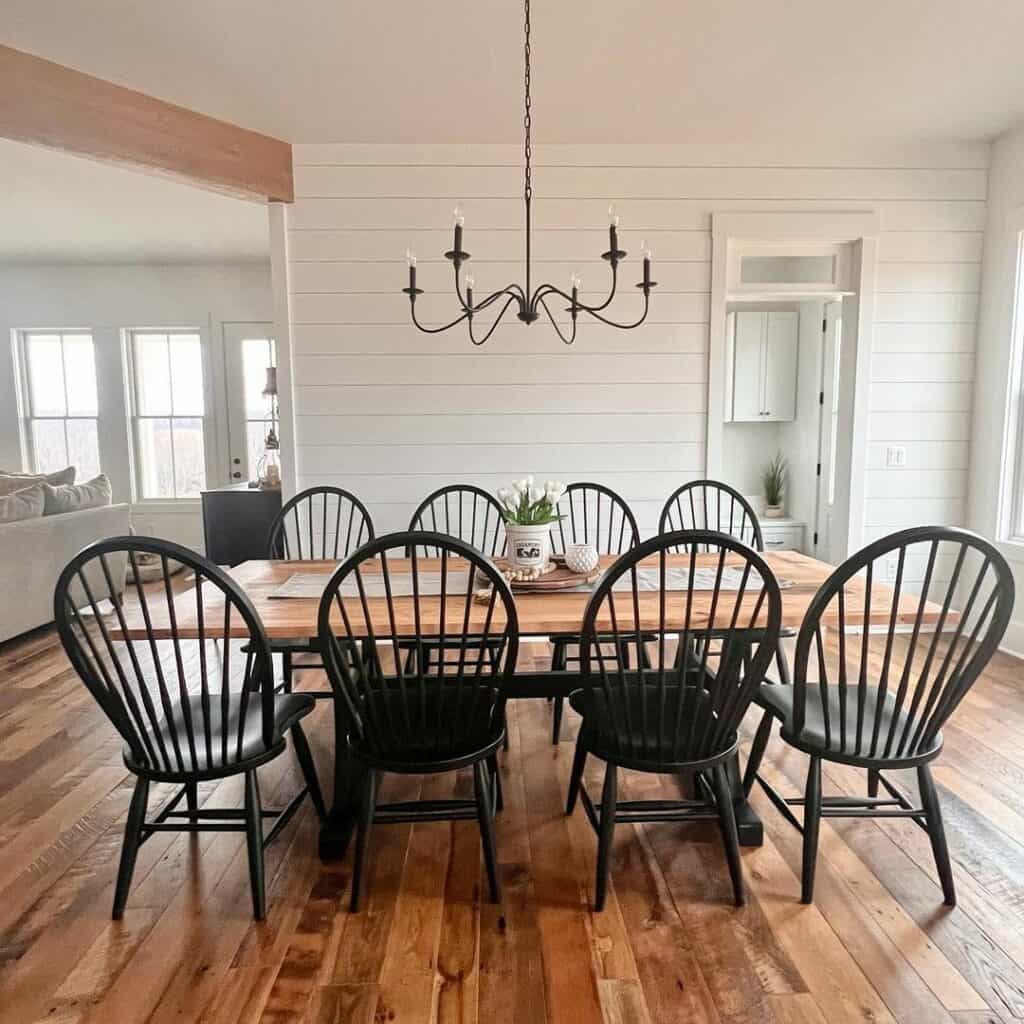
{"x": 529, "y": 303}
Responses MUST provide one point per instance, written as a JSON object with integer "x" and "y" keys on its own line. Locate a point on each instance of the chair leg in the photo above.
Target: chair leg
{"x": 936, "y": 833}
{"x": 579, "y": 762}
{"x": 485, "y": 817}
{"x": 192, "y": 802}
{"x": 286, "y": 670}
{"x": 558, "y": 661}
{"x": 606, "y": 831}
{"x": 366, "y": 808}
{"x": 812, "y": 826}
{"x": 730, "y": 837}
{"x": 757, "y": 748}
{"x": 873, "y": 781}
{"x": 499, "y": 796}
{"x": 254, "y": 844}
{"x": 305, "y": 759}
{"x": 130, "y": 846}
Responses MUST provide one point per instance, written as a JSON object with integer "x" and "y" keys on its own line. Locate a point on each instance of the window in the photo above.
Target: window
{"x": 169, "y": 410}
{"x": 257, "y": 355}
{"x": 61, "y": 402}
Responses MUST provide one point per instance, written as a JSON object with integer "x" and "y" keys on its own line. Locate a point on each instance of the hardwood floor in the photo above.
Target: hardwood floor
{"x": 878, "y": 945}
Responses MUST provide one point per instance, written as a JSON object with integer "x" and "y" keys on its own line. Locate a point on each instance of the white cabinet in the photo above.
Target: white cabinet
{"x": 782, "y": 535}
{"x": 763, "y": 355}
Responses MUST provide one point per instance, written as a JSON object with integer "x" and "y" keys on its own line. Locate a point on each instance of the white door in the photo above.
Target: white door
{"x": 248, "y": 352}
{"x": 830, "y": 495}
{"x": 781, "y": 339}
{"x": 748, "y": 368}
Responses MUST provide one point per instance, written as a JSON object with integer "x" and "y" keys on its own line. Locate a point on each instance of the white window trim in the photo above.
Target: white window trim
{"x": 24, "y": 390}
{"x": 1011, "y": 475}
{"x": 131, "y": 386}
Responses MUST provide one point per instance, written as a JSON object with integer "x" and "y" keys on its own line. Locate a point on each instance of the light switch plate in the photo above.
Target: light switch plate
{"x": 895, "y": 455}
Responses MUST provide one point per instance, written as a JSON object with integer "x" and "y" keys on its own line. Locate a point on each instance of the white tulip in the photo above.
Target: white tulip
{"x": 504, "y": 494}
{"x": 536, "y": 494}
{"x": 529, "y": 481}
{"x": 520, "y": 486}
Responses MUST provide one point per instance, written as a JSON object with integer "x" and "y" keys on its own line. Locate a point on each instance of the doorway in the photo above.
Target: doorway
{"x": 249, "y": 353}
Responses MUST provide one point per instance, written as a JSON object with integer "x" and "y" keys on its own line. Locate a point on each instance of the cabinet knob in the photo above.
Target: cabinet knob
{"x": 237, "y": 475}
{"x": 236, "y": 462}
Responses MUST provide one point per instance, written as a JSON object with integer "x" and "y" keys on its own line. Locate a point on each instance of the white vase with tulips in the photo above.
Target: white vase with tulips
{"x": 529, "y": 512}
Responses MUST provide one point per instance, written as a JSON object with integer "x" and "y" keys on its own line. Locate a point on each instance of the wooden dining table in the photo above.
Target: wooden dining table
{"x": 539, "y": 614}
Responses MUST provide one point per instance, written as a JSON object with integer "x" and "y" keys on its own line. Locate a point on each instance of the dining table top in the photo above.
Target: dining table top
{"x": 539, "y": 614}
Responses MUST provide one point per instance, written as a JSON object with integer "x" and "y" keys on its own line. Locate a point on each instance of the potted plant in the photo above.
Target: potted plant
{"x": 529, "y": 512}
{"x": 773, "y": 480}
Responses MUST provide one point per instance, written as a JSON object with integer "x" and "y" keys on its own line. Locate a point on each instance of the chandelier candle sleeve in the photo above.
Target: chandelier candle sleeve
{"x": 530, "y": 302}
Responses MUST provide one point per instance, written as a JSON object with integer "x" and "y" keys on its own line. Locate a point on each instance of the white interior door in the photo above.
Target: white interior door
{"x": 832, "y": 499}
{"x": 748, "y": 368}
{"x": 248, "y": 351}
{"x": 782, "y": 333}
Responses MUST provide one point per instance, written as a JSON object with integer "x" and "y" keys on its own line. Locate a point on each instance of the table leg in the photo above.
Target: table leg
{"x": 748, "y": 821}
{"x": 337, "y": 830}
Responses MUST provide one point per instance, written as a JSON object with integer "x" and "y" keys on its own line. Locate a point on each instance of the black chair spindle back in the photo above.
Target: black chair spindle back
{"x": 320, "y": 523}
{"x": 218, "y": 693}
{"x": 594, "y": 514}
{"x": 465, "y": 512}
{"x": 711, "y": 505}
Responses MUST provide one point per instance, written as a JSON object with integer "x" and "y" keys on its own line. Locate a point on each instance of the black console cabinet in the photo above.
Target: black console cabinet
{"x": 236, "y": 522}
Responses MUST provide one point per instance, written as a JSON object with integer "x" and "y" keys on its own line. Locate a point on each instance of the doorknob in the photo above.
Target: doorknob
{"x": 237, "y": 475}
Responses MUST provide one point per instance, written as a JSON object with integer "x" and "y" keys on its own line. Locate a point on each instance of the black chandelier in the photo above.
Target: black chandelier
{"x": 529, "y": 303}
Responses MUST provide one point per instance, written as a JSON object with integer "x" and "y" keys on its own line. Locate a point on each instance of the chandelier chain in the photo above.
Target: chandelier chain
{"x": 527, "y": 121}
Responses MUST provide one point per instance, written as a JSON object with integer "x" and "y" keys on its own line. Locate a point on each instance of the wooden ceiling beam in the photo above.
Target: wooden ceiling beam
{"x": 47, "y": 104}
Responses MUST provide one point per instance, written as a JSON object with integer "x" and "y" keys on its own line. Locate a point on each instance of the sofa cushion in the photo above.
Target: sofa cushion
{"x": 93, "y": 493}
{"x": 27, "y": 503}
{"x": 10, "y": 482}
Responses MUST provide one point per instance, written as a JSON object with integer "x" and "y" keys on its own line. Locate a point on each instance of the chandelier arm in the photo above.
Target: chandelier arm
{"x": 558, "y": 330}
{"x": 550, "y": 289}
{"x": 513, "y": 289}
{"x": 625, "y": 327}
{"x": 497, "y": 320}
{"x": 435, "y": 330}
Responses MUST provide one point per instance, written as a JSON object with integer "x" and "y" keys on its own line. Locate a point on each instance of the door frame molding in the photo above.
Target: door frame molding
{"x": 859, "y": 227}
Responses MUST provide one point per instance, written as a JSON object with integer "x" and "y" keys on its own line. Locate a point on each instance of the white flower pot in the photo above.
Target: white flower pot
{"x": 529, "y": 547}
{"x": 774, "y": 512}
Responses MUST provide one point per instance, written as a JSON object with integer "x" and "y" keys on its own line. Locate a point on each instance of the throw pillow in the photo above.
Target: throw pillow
{"x": 10, "y": 482}
{"x": 24, "y": 504}
{"x": 75, "y": 497}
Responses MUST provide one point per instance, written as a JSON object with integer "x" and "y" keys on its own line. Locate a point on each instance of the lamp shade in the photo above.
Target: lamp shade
{"x": 270, "y": 387}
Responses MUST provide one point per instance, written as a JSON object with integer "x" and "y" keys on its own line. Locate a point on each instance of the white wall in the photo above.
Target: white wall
{"x": 992, "y": 391}
{"x": 392, "y": 413}
{"x": 106, "y": 300}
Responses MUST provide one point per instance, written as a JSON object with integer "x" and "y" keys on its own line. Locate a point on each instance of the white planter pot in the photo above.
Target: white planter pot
{"x": 774, "y": 512}
{"x": 529, "y": 547}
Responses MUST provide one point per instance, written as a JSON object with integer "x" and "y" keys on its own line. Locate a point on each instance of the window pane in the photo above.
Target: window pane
{"x": 187, "y": 374}
{"x": 189, "y": 459}
{"x": 257, "y": 355}
{"x": 84, "y": 448}
{"x": 80, "y": 370}
{"x": 152, "y": 375}
{"x": 45, "y": 375}
{"x": 156, "y": 459}
{"x": 256, "y": 438}
{"x": 48, "y": 446}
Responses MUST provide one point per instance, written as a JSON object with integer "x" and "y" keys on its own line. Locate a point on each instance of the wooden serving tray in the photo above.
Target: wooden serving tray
{"x": 560, "y": 578}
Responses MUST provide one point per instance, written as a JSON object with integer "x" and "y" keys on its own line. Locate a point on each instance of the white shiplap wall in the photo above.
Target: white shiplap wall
{"x": 392, "y": 413}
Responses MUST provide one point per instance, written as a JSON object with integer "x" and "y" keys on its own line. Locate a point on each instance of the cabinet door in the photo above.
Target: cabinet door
{"x": 781, "y": 339}
{"x": 748, "y": 367}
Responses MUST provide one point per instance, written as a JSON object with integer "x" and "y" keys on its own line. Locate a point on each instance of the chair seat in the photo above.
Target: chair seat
{"x": 639, "y": 732}
{"x": 288, "y": 709}
{"x": 814, "y": 737}
{"x": 417, "y": 730}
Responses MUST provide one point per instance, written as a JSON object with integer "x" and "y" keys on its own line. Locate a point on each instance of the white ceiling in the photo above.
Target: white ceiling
{"x": 626, "y": 71}
{"x": 56, "y": 208}
{"x": 605, "y": 70}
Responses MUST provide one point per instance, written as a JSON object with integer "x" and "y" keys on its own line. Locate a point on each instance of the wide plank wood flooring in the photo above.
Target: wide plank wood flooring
{"x": 877, "y": 947}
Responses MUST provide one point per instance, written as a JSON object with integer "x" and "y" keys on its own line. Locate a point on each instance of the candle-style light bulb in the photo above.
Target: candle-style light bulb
{"x": 470, "y": 282}
{"x": 410, "y": 257}
{"x": 645, "y": 249}
{"x": 575, "y": 281}
{"x": 460, "y": 217}
{"x": 613, "y": 216}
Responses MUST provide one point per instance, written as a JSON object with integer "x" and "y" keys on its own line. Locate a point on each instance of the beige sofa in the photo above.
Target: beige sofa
{"x": 34, "y": 551}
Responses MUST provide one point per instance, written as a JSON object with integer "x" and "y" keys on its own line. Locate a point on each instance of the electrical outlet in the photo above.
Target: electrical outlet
{"x": 890, "y": 568}
{"x": 895, "y": 455}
